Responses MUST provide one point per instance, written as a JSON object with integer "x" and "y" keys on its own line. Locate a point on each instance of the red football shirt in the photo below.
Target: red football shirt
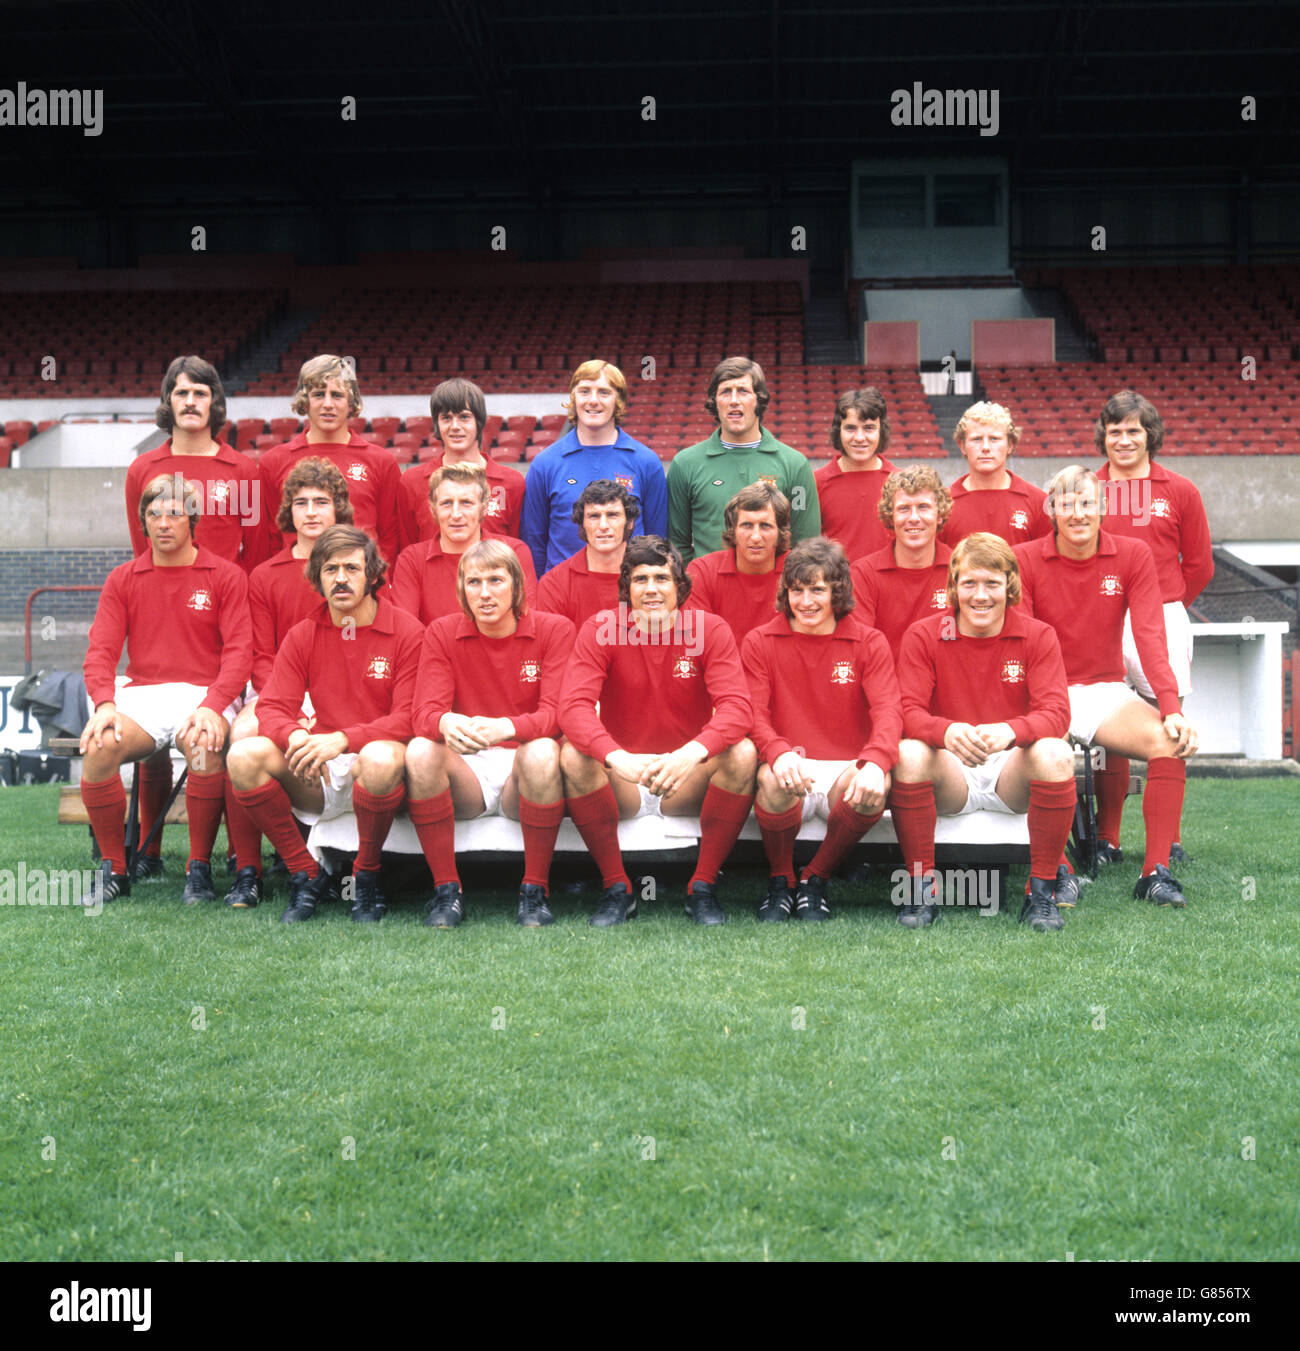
{"x": 1165, "y": 510}
{"x": 373, "y": 478}
{"x": 279, "y": 595}
{"x": 464, "y": 671}
{"x": 744, "y": 600}
{"x": 424, "y": 581}
{"x": 504, "y": 508}
{"x": 892, "y": 599}
{"x": 654, "y": 696}
{"x": 1016, "y": 514}
{"x": 1017, "y": 677}
{"x": 361, "y": 679}
{"x": 849, "y": 505}
{"x": 1085, "y": 603}
{"x": 571, "y": 589}
{"x": 187, "y": 625}
{"x": 829, "y": 696}
{"x": 237, "y": 511}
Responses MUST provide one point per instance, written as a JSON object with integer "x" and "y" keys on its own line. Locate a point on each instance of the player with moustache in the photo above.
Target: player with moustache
{"x": 985, "y": 713}
{"x": 486, "y": 729}
{"x": 315, "y": 497}
{"x": 459, "y": 412}
{"x": 424, "y": 580}
{"x": 606, "y": 515}
{"x": 356, "y": 658}
{"x": 849, "y": 487}
{"x": 740, "y": 581}
{"x": 182, "y": 613}
{"x": 827, "y": 722}
{"x": 656, "y": 713}
{"x": 1084, "y": 581}
{"x": 235, "y": 508}
{"x": 907, "y": 579}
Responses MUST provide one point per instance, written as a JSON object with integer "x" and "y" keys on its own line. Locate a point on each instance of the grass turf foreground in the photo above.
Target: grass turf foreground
{"x": 218, "y": 1084}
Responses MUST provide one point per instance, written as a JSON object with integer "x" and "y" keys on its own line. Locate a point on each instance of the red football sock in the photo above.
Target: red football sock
{"x": 722, "y": 814}
{"x": 596, "y": 816}
{"x": 434, "y": 822}
{"x": 1111, "y": 786}
{"x": 540, "y": 822}
{"x": 269, "y": 808}
{"x": 911, "y": 805}
{"x": 106, "y": 806}
{"x": 1162, "y": 808}
{"x": 155, "y": 780}
{"x": 242, "y": 835}
{"x": 779, "y": 830}
{"x": 205, "y": 797}
{"x": 844, "y": 829}
{"x": 1051, "y": 814}
{"x": 374, "y": 813}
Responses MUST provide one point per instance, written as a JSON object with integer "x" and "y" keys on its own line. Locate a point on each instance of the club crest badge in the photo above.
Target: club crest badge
{"x": 842, "y": 673}
{"x": 1111, "y": 585}
{"x": 357, "y": 472}
{"x": 530, "y": 671}
{"x": 769, "y": 479}
{"x": 380, "y": 668}
{"x": 1020, "y": 520}
{"x": 625, "y": 480}
{"x": 219, "y": 492}
{"x": 1162, "y": 507}
{"x": 1013, "y": 672}
{"x": 497, "y": 502}
{"x": 200, "y": 601}
{"x": 684, "y": 668}
{"x": 939, "y": 601}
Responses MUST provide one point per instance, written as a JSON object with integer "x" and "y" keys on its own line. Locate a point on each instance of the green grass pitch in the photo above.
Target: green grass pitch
{"x": 218, "y": 1084}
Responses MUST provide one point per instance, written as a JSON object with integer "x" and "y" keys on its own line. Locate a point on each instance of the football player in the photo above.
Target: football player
{"x": 990, "y": 497}
{"x": 606, "y": 515}
{"x": 849, "y": 487}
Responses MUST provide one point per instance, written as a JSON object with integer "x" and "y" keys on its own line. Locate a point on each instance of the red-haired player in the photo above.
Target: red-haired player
{"x": 908, "y": 579}
{"x": 985, "y": 711}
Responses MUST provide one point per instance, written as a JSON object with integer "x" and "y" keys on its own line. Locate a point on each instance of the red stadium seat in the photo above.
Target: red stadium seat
{"x": 247, "y": 430}
{"x": 18, "y": 432}
{"x": 284, "y": 428}
{"x": 383, "y": 429}
{"x": 419, "y": 427}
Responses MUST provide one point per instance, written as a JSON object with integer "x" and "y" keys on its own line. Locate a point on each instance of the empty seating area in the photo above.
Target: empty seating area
{"x": 1171, "y": 314}
{"x": 117, "y": 344}
{"x": 522, "y": 339}
{"x": 1207, "y": 408}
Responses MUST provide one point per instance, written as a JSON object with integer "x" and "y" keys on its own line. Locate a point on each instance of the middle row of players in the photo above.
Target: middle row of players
{"x": 681, "y": 691}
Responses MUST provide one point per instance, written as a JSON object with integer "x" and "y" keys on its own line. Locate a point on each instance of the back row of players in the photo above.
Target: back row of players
{"x": 669, "y": 700}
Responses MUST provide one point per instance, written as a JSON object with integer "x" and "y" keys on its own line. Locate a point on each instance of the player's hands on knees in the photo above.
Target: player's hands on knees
{"x": 966, "y": 743}
{"x": 866, "y": 790}
{"x": 462, "y": 734}
{"x": 204, "y": 730}
{"x": 790, "y": 773}
{"x": 1180, "y": 731}
{"x": 309, "y": 754}
{"x": 666, "y": 773}
{"x": 104, "y": 719}
{"x": 997, "y": 736}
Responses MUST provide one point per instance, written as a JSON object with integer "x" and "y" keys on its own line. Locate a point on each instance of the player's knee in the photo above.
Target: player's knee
{"x": 1052, "y": 759}
{"x": 574, "y": 766}
{"x": 381, "y": 763}
{"x": 914, "y": 759}
{"x": 539, "y": 759}
{"x": 740, "y": 762}
{"x": 247, "y": 760}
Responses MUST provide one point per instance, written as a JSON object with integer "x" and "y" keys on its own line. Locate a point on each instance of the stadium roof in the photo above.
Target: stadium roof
{"x": 542, "y": 100}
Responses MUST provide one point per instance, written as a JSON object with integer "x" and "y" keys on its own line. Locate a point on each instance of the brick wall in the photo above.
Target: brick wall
{"x": 62, "y": 644}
